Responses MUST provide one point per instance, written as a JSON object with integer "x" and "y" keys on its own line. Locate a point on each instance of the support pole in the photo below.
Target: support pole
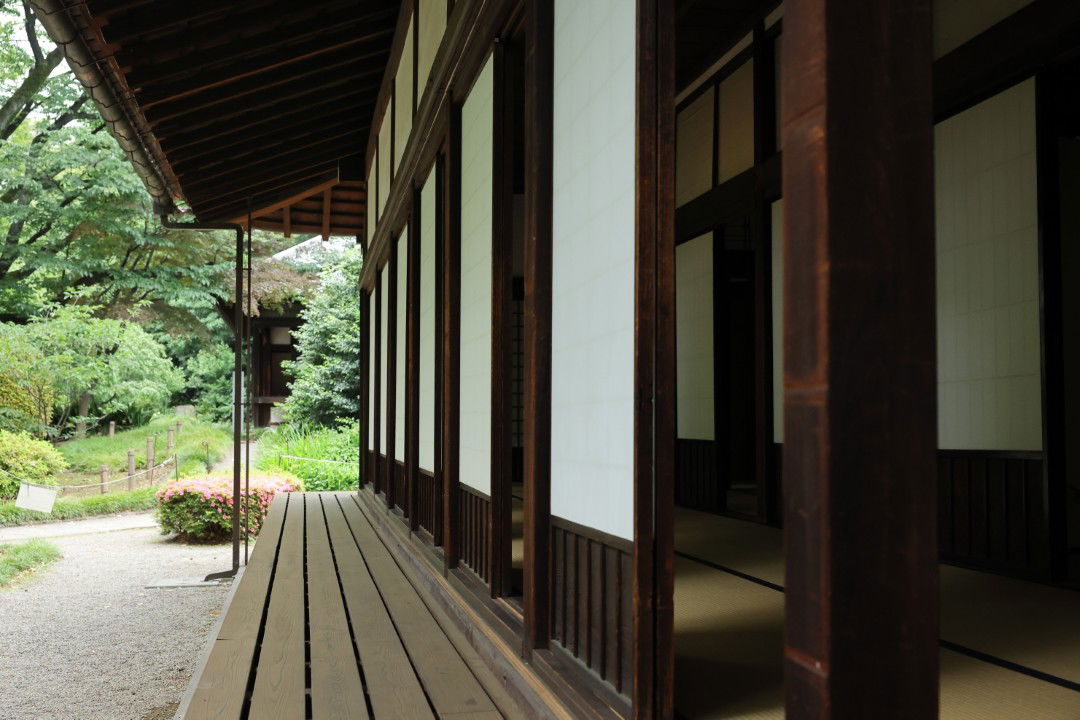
{"x": 112, "y": 428}
{"x": 238, "y": 329}
{"x": 150, "y": 459}
{"x": 131, "y": 469}
{"x": 861, "y": 602}
{"x": 104, "y": 479}
{"x": 169, "y": 440}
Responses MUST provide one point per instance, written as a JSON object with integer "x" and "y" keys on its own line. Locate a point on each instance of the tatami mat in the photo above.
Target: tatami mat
{"x": 729, "y": 632}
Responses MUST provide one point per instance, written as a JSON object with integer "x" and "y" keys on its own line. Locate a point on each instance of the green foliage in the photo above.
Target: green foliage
{"x": 74, "y": 508}
{"x": 27, "y": 458}
{"x": 118, "y": 368}
{"x": 210, "y": 381}
{"x": 89, "y": 454}
{"x": 201, "y": 509}
{"x": 326, "y": 383}
{"x": 338, "y": 447}
{"x": 20, "y": 559}
{"x": 26, "y": 388}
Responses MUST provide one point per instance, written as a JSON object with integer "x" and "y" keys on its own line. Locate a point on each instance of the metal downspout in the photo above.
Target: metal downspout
{"x": 238, "y": 322}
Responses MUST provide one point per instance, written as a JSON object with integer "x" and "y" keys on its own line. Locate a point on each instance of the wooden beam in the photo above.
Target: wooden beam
{"x": 287, "y": 202}
{"x": 377, "y": 353}
{"x": 451, "y": 333}
{"x": 230, "y": 200}
{"x": 861, "y": 602}
{"x": 391, "y": 376}
{"x": 412, "y": 366}
{"x": 539, "y": 96}
{"x": 326, "y": 199}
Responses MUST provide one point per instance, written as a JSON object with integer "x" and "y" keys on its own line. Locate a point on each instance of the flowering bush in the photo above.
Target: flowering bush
{"x": 201, "y": 508}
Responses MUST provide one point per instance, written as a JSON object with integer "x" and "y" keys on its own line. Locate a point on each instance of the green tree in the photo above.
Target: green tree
{"x": 210, "y": 381}
{"x": 326, "y": 384}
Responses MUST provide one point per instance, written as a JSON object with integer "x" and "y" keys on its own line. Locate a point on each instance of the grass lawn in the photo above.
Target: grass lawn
{"x": 23, "y": 558}
{"x": 86, "y": 456}
{"x": 79, "y": 507}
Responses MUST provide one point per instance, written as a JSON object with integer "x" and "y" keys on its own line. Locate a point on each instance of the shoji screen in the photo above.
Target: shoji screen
{"x": 989, "y": 376}
{"x": 400, "y": 363}
{"x": 431, "y": 26}
{"x": 427, "y": 324}
{"x": 370, "y": 201}
{"x": 592, "y": 344}
{"x": 384, "y": 282}
{"x": 694, "y": 339}
{"x": 403, "y": 90}
{"x": 475, "y": 343}
{"x": 386, "y": 159}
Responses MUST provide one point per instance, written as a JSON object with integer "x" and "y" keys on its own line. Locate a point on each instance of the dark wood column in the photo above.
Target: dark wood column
{"x": 377, "y": 354}
{"x": 412, "y": 365}
{"x": 539, "y": 92}
{"x": 654, "y": 363}
{"x": 366, "y": 304}
{"x": 449, "y": 335}
{"x": 859, "y": 403}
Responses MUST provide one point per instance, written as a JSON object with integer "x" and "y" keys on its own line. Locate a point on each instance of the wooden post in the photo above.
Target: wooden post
{"x": 131, "y": 469}
{"x": 104, "y": 479}
{"x": 150, "y": 459}
{"x": 861, "y": 601}
{"x": 450, "y": 334}
{"x": 112, "y": 428}
{"x": 178, "y": 426}
{"x": 169, "y": 440}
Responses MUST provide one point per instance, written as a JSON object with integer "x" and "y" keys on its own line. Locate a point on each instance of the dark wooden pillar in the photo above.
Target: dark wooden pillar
{"x": 859, "y": 402}
{"x": 440, "y": 357}
{"x": 653, "y": 656}
{"x": 412, "y": 366}
{"x": 366, "y": 304}
{"x": 539, "y": 93}
{"x": 502, "y": 305}
{"x": 450, "y": 334}
{"x": 391, "y": 303}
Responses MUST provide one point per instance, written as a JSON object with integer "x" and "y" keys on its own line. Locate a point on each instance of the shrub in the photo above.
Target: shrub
{"x": 201, "y": 509}
{"x": 27, "y": 458}
{"x": 334, "y": 453}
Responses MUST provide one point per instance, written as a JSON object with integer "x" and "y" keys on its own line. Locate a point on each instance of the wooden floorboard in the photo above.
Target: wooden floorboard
{"x": 223, "y": 681}
{"x": 392, "y": 684}
{"x": 449, "y": 683}
{"x": 280, "y": 684}
{"x": 324, "y": 624}
{"x": 336, "y": 689}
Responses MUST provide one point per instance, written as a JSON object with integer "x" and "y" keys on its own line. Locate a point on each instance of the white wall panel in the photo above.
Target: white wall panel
{"x": 475, "y": 343}
{"x": 693, "y": 148}
{"x": 399, "y": 344}
{"x": 384, "y": 282}
{"x": 427, "y": 324}
{"x": 777, "y": 221}
{"x": 432, "y": 25}
{"x": 989, "y": 375}
{"x": 370, "y": 201}
{"x": 373, "y": 350}
{"x": 694, "y": 338}
{"x": 403, "y": 91}
{"x": 592, "y": 396}
{"x": 385, "y": 159}
{"x": 957, "y": 21}
{"x": 735, "y": 151}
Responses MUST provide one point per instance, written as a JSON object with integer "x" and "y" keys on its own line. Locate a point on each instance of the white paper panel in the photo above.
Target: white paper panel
{"x": 369, "y": 193}
{"x": 476, "y": 194}
{"x": 592, "y": 396}
{"x": 432, "y": 25}
{"x": 736, "y": 147}
{"x": 403, "y": 90}
{"x": 385, "y": 159}
{"x": 693, "y": 148}
{"x": 957, "y": 21}
{"x": 384, "y": 282}
{"x": 778, "y": 319}
{"x": 427, "y": 242}
{"x": 989, "y": 377}
{"x": 400, "y": 362}
{"x": 695, "y": 373}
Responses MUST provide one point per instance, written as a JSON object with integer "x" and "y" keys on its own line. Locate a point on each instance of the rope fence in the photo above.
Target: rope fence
{"x": 318, "y": 460}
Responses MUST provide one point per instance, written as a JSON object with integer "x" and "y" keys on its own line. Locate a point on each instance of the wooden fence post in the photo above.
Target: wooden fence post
{"x": 150, "y": 459}
{"x": 178, "y": 425}
{"x": 131, "y": 469}
{"x": 169, "y": 440}
{"x": 112, "y": 428}
{"x": 104, "y": 478}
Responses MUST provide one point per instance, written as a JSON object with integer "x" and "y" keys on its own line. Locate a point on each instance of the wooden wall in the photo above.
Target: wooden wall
{"x": 474, "y": 528}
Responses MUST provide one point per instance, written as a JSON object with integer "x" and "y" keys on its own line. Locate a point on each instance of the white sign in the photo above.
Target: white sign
{"x": 36, "y": 497}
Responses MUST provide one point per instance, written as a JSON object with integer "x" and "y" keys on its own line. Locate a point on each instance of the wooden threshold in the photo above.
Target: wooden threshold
{"x": 324, "y": 623}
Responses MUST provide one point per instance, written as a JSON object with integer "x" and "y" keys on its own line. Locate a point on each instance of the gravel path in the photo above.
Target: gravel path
{"x": 85, "y": 640}
{"x": 88, "y": 526}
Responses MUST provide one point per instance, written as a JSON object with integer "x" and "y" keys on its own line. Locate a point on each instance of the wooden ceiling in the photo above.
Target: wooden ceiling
{"x": 333, "y": 208}
{"x": 705, "y": 29}
{"x": 249, "y": 103}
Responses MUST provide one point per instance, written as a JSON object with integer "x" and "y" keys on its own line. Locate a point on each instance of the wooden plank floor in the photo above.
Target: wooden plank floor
{"x": 324, "y": 624}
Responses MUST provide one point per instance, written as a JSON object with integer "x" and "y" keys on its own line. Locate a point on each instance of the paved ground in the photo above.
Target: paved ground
{"x": 87, "y": 526}
{"x": 86, "y": 640}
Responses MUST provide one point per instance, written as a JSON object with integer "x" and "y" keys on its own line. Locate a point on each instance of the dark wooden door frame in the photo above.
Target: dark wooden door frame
{"x": 376, "y": 460}
{"x": 391, "y": 374}
{"x": 367, "y": 303}
{"x": 450, "y": 335}
{"x": 653, "y": 657}
{"x": 412, "y": 365}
